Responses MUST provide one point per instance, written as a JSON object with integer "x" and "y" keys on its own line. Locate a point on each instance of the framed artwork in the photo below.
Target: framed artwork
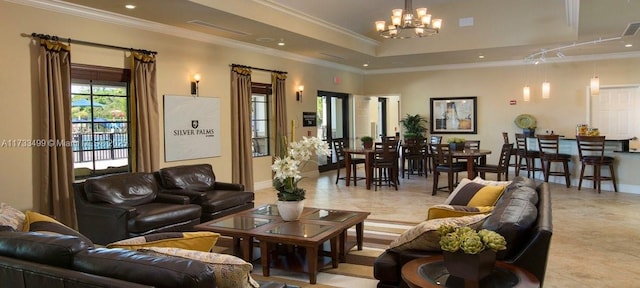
{"x": 454, "y": 115}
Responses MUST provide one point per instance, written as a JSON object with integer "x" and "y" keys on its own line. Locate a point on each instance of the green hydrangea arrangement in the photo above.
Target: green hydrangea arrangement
{"x": 469, "y": 241}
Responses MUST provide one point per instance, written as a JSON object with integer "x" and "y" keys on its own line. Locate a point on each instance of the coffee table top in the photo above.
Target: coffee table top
{"x": 431, "y": 272}
{"x": 265, "y": 221}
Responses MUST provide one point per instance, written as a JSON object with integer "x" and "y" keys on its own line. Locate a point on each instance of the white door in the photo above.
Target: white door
{"x": 616, "y": 112}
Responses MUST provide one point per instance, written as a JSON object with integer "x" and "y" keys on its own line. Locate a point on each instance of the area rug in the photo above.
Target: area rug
{"x": 358, "y": 269}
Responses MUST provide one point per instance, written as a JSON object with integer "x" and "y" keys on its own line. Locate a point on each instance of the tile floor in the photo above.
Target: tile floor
{"x": 596, "y": 240}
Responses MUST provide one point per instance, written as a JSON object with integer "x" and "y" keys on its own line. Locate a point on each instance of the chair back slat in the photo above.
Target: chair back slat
{"x": 592, "y": 146}
{"x": 548, "y": 145}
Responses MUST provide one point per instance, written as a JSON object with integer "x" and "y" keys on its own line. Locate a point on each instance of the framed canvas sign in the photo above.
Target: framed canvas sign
{"x": 454, "y": 115}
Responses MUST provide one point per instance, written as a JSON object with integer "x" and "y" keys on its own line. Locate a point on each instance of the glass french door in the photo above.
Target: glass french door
{"x": 333, "y": 115}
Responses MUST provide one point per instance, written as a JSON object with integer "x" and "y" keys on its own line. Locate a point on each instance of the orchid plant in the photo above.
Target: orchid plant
{"x": 288, "y": 167}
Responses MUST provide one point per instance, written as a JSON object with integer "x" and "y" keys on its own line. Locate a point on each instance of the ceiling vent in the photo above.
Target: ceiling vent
{"x": 213, "y": 26}
{"x": 632, "y": 29}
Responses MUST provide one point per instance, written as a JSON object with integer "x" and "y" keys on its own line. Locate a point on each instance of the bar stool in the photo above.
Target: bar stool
{"x": 529, "y": 156}
{"x": 549, "y": 146}
{"x": 338, "y": 146}
{"x": 591, "y": 152}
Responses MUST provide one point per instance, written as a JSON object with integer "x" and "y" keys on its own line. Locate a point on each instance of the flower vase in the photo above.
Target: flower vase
{"x": 290, "y": 210}
{"x": 470, "y": 267}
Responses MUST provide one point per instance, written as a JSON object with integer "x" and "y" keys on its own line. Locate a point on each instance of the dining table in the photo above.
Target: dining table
{"x": 368, "y": 153}
{"x": 470, "y": 155}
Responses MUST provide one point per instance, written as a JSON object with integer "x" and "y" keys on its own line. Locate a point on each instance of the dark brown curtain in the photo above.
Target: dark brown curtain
{"x": 242, "y": 157}
{"x": 144, "y": 109}
{"x": 56, "y": 190}
{"x": 279, "y": 93}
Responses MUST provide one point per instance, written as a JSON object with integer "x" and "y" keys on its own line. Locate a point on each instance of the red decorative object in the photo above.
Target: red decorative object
{"x": 472, "y": 267}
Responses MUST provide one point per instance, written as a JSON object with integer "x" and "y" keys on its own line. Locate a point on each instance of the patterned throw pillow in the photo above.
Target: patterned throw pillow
{"x": 479, "y": 180}
{"x": 199, "y": 241}
{"x": 230, "y": 271}
{"x": 425, "y": 236}
{"x": 11, "y": 217}
{"x": 36, "y": 222}
{"x": 469, "y": 193}
{"x": 444, "y": 211}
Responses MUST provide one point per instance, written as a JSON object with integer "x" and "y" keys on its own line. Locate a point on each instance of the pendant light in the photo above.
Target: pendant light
{"x": 595, "y": 86}
{"x": 546, "y": 89}
{"x": 526, "y": 93}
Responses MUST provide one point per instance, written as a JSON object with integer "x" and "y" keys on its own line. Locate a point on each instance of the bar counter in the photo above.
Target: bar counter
{"x": 627, "y": 164}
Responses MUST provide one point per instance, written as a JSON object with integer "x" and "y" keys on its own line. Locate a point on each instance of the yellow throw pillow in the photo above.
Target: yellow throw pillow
{"x": 199, "y": 241}
{"x": 36, "y": 222}
{"x": 445, "y": 211}
{"x": 474, "y": 194}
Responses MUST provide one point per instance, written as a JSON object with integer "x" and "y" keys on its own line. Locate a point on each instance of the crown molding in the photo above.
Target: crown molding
{"x": 522, "y": 62}
{"x": 118, "y": 19}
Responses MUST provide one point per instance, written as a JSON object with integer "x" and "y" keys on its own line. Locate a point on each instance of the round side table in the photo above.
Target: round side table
{"x": 431, "y": 272}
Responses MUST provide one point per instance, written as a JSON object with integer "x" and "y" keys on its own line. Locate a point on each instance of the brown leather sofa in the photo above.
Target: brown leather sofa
{"x": 522, "y": 215}
{"x": 35, "y": 260}
{"x": 115, "y": 207}
{"x": 198, "y": 182}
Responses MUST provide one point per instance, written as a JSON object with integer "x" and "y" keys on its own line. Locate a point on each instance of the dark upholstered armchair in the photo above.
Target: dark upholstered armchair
{"x": 116, "y": 207}
{"x": 198, "y": 182}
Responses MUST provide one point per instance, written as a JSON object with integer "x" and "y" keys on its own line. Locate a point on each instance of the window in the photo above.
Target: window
{"x": 100, "y": 120}
{"x": 260, "y": 116}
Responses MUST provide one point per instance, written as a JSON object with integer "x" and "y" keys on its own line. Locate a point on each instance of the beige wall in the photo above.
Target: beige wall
{"x": 177, "y": 60}
{"x": 496, "y": 86}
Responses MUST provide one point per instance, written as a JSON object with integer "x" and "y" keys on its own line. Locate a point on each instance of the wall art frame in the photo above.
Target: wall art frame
{"x": 454, "y": 115}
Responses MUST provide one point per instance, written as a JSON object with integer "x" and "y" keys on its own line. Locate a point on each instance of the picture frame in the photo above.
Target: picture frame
{"x": 454, "y": 115}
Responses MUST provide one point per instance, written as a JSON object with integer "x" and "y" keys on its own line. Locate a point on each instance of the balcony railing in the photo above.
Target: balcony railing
{"x": 99, "y": 146}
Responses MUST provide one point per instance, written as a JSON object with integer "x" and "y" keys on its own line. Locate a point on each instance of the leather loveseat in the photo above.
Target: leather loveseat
{"x": 35, "y": 260}
{"x": 527, "y": 245}
{"x": 198, "y": 182}
{"x": 115, "y": 207}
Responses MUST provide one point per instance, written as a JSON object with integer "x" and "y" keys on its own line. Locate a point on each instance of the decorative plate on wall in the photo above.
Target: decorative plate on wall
{"x": 525, "y": 121}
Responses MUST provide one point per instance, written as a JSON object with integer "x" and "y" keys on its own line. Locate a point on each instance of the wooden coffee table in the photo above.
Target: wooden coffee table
{"x": 430, "y": 272}
{"x": 315, "y": 227}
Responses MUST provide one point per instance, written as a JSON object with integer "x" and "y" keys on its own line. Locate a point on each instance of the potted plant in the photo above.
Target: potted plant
{"x": 470, "y": 254}
{"x": 414, "y": 126}
{"x": 287, "y": 174}
{"x": 456, "y": 143}
{"x": 367, "y": 142}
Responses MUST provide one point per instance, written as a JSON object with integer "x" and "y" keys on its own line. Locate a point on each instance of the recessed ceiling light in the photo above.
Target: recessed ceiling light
{"x": 365, "y": 65}
{"x": 481, "y": 56}
{"x": 130, "y": 6}
{"x": 628, "y": 45}
{"x": 281, "y": 43}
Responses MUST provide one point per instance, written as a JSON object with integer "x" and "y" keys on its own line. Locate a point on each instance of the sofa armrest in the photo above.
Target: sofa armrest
{"x": 228, "y": 186}
{"x": 195, "y": 197}
{"x": 172, "y": 198}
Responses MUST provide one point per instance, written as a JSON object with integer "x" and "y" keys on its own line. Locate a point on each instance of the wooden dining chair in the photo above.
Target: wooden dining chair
{"x": 413, "y": 155}
{"x": 514, "y": 151}
{"x": 443, "y": 163}
{"x": 434, "y": 139}
{"x": 549, "y": 149}
{"x": 475, "y": 145}
{"x": 385, "y": 164}
{"x": 338, "y": 147}
{"x": 502, "y": 167}
{"x": 591, "y": 152}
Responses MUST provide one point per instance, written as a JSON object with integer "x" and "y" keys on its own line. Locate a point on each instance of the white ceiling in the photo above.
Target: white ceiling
{"x": 342, "y": 32}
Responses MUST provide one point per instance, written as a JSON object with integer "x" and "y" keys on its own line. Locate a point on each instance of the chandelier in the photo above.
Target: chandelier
{"x": 405, "y": 24}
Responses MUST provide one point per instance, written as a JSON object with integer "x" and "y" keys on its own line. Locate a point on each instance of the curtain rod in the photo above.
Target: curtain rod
{"x": 74, "y": 41}
{"x": 254, "y": 68}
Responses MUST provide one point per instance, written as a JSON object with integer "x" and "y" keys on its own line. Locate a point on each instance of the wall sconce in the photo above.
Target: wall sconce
{"x": 299, "y": 93}
{"x": 194, "y": 85}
